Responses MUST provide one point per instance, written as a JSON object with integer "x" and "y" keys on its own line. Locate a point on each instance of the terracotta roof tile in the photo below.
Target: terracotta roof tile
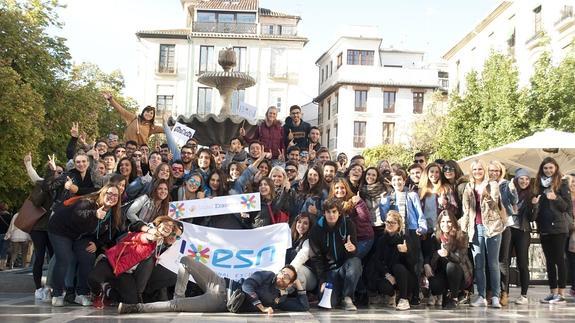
{"x": 247, "y": 5}
{"x": 268, "y": 12}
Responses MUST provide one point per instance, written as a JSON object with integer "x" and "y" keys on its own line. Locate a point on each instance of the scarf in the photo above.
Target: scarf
{"x": 371, "y": 191}
{"x": 546, "y": 181}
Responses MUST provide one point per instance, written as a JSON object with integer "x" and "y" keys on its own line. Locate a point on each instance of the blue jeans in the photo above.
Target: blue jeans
{"x": 363, "y": 248}
{"x": 486, "y": 247}
{"x": 66, "y": 250}
{"x": 344, "y": 279}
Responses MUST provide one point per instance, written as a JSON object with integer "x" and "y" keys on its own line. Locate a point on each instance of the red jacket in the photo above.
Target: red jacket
{"x": 271, "y": 137}
{"x": 129, "y": 252}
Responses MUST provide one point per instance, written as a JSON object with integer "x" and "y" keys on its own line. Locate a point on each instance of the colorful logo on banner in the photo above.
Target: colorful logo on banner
{"x": 177, "y": 210}
{"x": 249, "y": 203}
{"x": 199, "y": 253}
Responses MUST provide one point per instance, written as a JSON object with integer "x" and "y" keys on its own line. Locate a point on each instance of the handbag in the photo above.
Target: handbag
{"x": 29, "y": 214}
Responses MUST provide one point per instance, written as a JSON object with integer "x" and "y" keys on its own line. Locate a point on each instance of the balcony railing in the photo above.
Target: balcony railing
{"x": 566, "y": 13}
{"x": 225, "y": 27}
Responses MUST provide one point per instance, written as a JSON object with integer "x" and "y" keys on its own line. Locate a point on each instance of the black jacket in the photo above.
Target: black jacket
{"x": 260, "y": 288}
{"x": 554, "y": 216}
{"x": 327, "y": 245}
{"x": 386, "y": 255}
{"x": 79, "y": 220}
{"x": 85, "y": 186}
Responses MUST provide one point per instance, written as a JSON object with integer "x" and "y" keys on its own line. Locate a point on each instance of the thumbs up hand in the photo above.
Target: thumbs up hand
{"x": 356, "y": 198}
{"x": 242, "y": 132}
{"x": 349, "y": 246}
{"x": 68, "y": 183}
{"x": 551, "y": 195}
{"x": 402, "y": 247}
{"x": 290, "y": 135}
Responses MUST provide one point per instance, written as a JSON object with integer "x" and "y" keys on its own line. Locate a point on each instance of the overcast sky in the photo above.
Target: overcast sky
{"x": 103, "y": 31}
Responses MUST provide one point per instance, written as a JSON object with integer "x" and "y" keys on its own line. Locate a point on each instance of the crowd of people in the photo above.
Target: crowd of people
{"x": 384, "y": 235}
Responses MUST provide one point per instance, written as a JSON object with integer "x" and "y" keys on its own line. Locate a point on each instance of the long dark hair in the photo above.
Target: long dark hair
{"x": 133, "y": 173}
{"x": 165, "y": 203}
{"x": 141, "y": 115}
{"x": 294, "y": 234}
{"x": 555, "y": 182}
{"x": 317, "y": 189}
{"x": 223, "y": 189}
{"x": 270, "y": 183}
{"x": 456, "y": 237}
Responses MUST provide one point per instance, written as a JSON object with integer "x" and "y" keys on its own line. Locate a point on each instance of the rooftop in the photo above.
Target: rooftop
{"x": 270, "y": 13}
{"x": 231, "y": 5}
{"x": 184, "y": 33}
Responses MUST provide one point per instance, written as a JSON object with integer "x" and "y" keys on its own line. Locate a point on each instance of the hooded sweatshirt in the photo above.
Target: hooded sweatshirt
{"x": 299, "y": 133}
{"x": 327, "y": 245}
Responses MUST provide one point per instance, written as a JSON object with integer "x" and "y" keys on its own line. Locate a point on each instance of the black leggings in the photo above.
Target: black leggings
{"x": 405, "y": 281}
{"x": 520, "y": 241}
{"x": 41, "y": 244}
{"x": 448, "y": 278}
{"x": 125, "y": 284}
{"x": 554, "y": 249}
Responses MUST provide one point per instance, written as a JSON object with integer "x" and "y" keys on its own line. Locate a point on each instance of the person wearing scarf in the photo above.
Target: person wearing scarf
{"x": 78, "y": 231}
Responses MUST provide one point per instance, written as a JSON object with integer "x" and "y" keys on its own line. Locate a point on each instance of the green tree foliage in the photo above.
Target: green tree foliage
{"x": 392, "y": 153}
{"x": 427, "y": 128}
{"x": 16, "y": 95}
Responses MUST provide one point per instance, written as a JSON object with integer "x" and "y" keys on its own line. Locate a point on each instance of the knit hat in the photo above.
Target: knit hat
{"x": 521, "y": 172}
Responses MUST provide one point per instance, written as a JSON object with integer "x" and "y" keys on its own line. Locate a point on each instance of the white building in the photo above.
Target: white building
{"x": 369, "y": 95}
{"x": 267, "y": 47}
{"x": 523, "y": 29}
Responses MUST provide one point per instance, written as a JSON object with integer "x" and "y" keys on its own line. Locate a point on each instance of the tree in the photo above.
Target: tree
{"x": 426, "y": 129}
{"x": 20, "y": 133}
{"x": 393, "y": 153}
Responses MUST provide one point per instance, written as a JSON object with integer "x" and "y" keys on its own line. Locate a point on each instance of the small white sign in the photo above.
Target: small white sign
{"x": 246, "y": 111}
{"x": 182, "y": 133}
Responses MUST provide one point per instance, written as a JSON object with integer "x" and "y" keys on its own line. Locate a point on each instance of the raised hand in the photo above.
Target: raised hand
{"x": 258, "y": 176}
{"x": 28, "y": 158}
{"x": 107, "y": 95}
{"x": 290, "y": 135}
{"x": 356, "y": 198}
{"x": 74, "y": 131}
{"x": 312, "y": 209}
{"x": 268, "y": 155}
{"x": 52, "y": 162}
{"x": 402, "y": 247}
{"x": 551, "y": 195}
{"x": 101, "y": 213}
{"x": 281, "y": 155}
{"x": 535, "y": 199}
{"x": 242, "y": 132}
{"x": 312, "y": 152}
{"x": 349, "y": 246}
{"x": 68, "y": 183}
{"x": 291, "y": 143}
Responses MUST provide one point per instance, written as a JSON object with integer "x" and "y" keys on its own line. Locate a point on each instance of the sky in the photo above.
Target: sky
{"x": 103, "y": 32}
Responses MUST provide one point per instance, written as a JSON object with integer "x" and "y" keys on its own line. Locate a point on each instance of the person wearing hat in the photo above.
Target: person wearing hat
{"x": 140, "y": 127}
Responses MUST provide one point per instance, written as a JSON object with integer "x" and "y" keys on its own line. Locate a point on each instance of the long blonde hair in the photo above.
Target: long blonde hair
{"x": 482, "y": 164}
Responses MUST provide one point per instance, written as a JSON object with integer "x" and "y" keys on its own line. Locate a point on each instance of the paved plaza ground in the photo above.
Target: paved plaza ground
{"x": 16, "y": 307}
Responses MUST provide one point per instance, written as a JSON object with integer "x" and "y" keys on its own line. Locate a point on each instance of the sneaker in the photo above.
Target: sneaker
{"x": 124, "y": 308}
{"x": 58, "y": 301}
{"x": 347, "y": 304}
{"x": 572, "y": 292}
{"x": 479, "y": 302}
{"x": 465, "y": 299}
{"x": 47, "y": 295}
{"x": 39, "y": 293}
{"x": 547, "y": 299}
{"x": 98, "y": 301}
{"x": 402, "y": 305}
{"x": 83, "y": 300}
{"x": 558, "y": 300}
{"x": 495, "y": 303}
{"x": 522, "y": 300}
{"x": 431, "y": 300}
{"x": 415, "y": 301}
{"x": 449, "y": 304}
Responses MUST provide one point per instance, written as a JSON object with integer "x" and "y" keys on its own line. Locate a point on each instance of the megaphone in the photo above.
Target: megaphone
{"x": 326, "y": 298}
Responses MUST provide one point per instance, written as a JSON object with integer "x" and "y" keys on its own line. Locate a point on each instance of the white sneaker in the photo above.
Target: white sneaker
{"x": 479, "y": 302}
{"x": 39, "y": 293}
{"x": 58, "y": 301}
{"x": 83, "y": 300}
{"x": 522, "y": 300}
{"x": 47, "y": 295}
{"x": 495, "y": 302}
{"x": 402, "y": 305}
{"x": 558, "y": 299}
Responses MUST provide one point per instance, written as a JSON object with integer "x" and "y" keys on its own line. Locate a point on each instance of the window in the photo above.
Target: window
{"x": 320, "y": 114}
{"x": 361, "y": 100}
{"x": 388, "y": 131}
{"x": 389, "y": 101}
{"x": 206, "y": 59}
{"x": 334, "y": 145}
{"x": 335, "y": 104}
{"x": 359, "y": 57}
{"x": 241, "y": 59}
{"x": 417, "y": 102}
{"x": 328, "y": 105}
{"x": 359, "y": 134}
{"x": 279, "y": 62}
{"x": 245, "y": 18}
{"x": 164, "y": 103}
{"x": 339, "y": 59}
{"x": 167, "y": 59}
{"x": 275, "y": 98}
{"x": 238, "y": 97}
{"x": 329, "y": 142}
{"x": 204, "y": 100}
{"x": 206, "y": 16}
{"x": 330, "y": 67}
{"x": 537, "y": 20}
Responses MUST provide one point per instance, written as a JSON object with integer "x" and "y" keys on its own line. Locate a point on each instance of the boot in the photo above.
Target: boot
{"x": 504, "y": 299}
{"x": 2, "y": 264}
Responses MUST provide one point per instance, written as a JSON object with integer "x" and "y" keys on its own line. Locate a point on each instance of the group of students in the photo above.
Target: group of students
{"x": 370, "y": 234}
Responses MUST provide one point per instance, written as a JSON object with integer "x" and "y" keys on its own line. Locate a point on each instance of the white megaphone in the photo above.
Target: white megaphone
{"x": 326, "y": 298}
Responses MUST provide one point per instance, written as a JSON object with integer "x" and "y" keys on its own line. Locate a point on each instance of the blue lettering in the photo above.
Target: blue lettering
{"x": 217, "y": 260}
{"x": 272, "y": 250}
{"x": 183, "y": 246}
{"x": 247, "y": 262}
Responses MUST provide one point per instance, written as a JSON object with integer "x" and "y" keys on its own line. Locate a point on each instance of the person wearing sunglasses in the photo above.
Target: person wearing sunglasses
{"x": 420, "y": 158}
{"x": 117, "y": 268}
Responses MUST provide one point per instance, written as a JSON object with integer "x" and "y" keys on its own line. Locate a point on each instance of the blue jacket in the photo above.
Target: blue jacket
{"x": 414, "y": 219}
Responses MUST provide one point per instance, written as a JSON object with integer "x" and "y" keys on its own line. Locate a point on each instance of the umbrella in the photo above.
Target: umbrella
{"x": 527, "y": 153}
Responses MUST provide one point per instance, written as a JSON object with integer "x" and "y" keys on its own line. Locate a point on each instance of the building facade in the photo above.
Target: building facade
{"x": 267, "y": 47}
{"x": 370, "y": 96}
{"x": 523, "y": 29}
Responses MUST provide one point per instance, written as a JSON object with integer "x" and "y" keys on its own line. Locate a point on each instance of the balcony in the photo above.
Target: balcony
{"x": 224, "y": 27}
{"x": 566, "y": 20}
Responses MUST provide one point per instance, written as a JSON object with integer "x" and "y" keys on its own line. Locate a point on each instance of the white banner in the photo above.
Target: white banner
{"x": 233, "y": 254}
{"x": 182, "y": 133}
{"x": 246, "y": 111}
{"x": 214, "y": 206}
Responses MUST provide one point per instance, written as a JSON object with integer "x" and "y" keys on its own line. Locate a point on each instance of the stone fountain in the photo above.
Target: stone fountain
{"x": 223, "y": 127}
